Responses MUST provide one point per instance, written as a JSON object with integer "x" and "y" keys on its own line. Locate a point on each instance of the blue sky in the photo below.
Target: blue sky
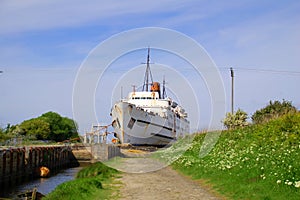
{"x": 44, "y": 43}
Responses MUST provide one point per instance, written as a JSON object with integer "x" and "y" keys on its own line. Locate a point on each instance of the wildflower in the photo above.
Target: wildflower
{"x": 263, "y": 176}
{"x": 297, "y": 184}
{"x": 278, "y": 181}
{"x": 290, "y": 183}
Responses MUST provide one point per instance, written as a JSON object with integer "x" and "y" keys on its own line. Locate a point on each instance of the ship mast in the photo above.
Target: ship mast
{"x": 147, "y": 73}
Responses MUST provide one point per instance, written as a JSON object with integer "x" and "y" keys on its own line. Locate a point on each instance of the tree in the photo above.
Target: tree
{"x": 49, "y": 126}
{"x": 61, "y": 128}
{"x": 236, "y": 120}
{"x": 35, "y": 128}
{"x": 272, "y": 111}
{"x": 3, "y": 135}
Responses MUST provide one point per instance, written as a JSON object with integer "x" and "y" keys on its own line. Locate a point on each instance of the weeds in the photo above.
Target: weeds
{"x": 90, "y": 183}
{"x": 256, "y": 162}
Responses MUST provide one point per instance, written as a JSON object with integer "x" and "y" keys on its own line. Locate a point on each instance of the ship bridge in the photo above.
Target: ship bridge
{"x": 147, "y": 99}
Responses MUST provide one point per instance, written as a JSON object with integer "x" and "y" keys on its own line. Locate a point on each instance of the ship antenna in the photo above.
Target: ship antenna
{"x": 147, "y": 73}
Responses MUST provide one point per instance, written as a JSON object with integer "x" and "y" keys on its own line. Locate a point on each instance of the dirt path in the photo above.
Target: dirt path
{"x": 145, "y": 178}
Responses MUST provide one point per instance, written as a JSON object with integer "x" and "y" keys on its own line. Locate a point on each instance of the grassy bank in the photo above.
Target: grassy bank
{"x": 256, "y": 162}
{"x": 92, "y": 182}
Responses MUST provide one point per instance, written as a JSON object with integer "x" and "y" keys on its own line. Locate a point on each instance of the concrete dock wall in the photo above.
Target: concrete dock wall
{"x": 103, "y": 152}
{"x": 21, "y": 164}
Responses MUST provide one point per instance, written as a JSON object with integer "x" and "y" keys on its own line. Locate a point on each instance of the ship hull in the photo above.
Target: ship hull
{"x": 136, "y": 126}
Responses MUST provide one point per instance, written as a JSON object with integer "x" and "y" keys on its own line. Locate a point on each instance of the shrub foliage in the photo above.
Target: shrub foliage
{"x": 272, "y": 111}
{"x": 236, "y": 120}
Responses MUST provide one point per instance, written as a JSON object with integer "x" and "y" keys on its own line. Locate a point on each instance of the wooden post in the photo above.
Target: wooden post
{"x": 232, "y": 89}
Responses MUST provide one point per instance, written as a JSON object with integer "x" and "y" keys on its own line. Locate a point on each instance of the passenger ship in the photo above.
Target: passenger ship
{"x": 149, "y": 117}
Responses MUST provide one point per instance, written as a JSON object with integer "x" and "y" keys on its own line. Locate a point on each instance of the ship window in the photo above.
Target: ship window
{"x": 148, "y": 97}
{"x": 118, "y": 123}
{"x": 143, "y": 98}
{"x": 114, "y": 123}
{"x": 131, "y": 123}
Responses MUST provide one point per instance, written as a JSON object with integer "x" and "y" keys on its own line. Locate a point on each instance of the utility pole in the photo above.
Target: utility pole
{"x": 164, "y": 94}
{"x": 232, "y": 89}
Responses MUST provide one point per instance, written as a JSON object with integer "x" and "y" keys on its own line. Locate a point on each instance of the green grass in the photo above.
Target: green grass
{"x": 256, "y": 162}
{"x": 92, "y": 182}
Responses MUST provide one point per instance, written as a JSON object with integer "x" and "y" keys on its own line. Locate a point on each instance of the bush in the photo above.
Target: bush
{"x": 236, "y": 120}
{"x": 272, "y": 111}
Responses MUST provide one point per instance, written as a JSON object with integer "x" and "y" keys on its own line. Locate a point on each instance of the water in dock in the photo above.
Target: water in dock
{"x": 44, "y": 185}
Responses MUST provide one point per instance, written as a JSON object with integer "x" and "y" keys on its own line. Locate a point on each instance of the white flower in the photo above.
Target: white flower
{"x": 278, "y": 181}
{"x": 297, "y": 184}
{"x": 290, "y": 183}
{"x": 263, "y": 176}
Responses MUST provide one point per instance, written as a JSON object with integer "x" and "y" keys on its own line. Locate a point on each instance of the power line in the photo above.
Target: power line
{"x": 181, "y": 69}
{"x": 265, "y": 70}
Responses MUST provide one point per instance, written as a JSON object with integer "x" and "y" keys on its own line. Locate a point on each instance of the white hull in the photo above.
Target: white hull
{"x": 136, "y": 126}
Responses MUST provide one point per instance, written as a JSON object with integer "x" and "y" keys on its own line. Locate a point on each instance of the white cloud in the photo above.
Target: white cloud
{"x": 30, "y": 15}
{"x": 16, "y": 16}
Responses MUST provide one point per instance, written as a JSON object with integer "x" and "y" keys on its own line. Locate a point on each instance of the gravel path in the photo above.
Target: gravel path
{"x": 145, "y": 178}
